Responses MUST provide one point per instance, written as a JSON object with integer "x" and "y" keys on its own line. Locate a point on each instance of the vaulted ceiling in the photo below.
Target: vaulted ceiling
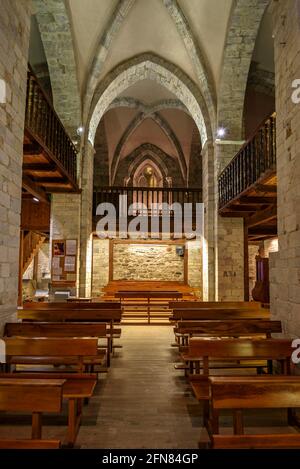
{"x": 187, "y": 36}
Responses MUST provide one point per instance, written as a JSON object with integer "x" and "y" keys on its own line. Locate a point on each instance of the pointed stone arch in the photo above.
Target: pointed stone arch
{"x": 153, "y": 67}
{"x": 133, "y": 103}
{"x": 163, "y": 125}
{"x": 165, "y": 162}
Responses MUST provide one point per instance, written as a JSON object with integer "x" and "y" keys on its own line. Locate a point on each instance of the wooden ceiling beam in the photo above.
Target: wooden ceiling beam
{"x": 257, "y": 200}
{"x": 42, "y": 167}
{"x": 33, "y": 189}
{"x": 262, "y": 217}
{"x": 262, "y": 230}
{"x": 32, "y": 149}
{"x": 265, "y": 188}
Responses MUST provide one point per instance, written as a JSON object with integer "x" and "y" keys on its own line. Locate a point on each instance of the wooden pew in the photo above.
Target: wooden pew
{"x": 230, "y": 328}
{"x": 59, "y": 329}
{"x": 71, "y": 305}
{"x": 80, "y": 352}
{"x": 73, "y": 315}
{"x": 241, "y": 393}
{"x": 148, "y": 296}
{"x": 233, "y": 354}
{"x": 218, "y": 314}
{"x": 34, "y": 396}
{"x": 76, "y": 387}
{"x": 215, "y": 305}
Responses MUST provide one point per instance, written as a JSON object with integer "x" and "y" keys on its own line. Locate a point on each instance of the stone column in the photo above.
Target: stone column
{"x": 14, "y": 42}
{"x": 86, "y": 236}
{"x": 229, "y": 236}
{"x": 285, "y": 265}
{"x": 208, "y": 185}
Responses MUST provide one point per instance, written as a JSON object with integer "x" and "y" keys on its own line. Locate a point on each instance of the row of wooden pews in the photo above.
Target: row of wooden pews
{"x": 53, "y": 354}
{"x": 147, "y": 300}
{"x": 233, "y": 363}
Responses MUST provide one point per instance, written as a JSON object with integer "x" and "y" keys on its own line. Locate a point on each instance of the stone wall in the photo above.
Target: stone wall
{"x": 229, "y": 237}
{"x": 194, "y": 270}
{"x": 100, "y": 273}
{"x": 252, "y": 253}
{"x": 65, "y": 220}
{"x": 147, "y": 262}
{"x": 285, "y": 265}
{"x": 14, "y": 42}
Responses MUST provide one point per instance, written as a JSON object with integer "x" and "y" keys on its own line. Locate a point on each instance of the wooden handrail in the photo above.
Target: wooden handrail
{"x": 255, "y": 157}
{"x": 44, "y": 125}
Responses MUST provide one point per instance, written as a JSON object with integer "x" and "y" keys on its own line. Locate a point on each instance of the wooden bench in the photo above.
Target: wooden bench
{"x": 76, "y": 388}
{"x": 241, "y": 393}
{"x": 82, "y": 353}
{"x": 233, "y": 354}
{"x": 230, "y": 328}
{"x": 71, "y": 305}
{"x": 34, "y": 396}
{"x": 149, "y": 296}
{"x": 73, "y": 315}
{"x": 218, "y": 314}
{"x": 59, "y": 329}
{"x": 215, "y": 304}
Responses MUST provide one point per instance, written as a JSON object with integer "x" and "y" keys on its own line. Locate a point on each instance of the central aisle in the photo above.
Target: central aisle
{"x": 142, "y": 402}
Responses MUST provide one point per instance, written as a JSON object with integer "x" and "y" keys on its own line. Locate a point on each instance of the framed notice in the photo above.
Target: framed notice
{"x": 64, "y": 261}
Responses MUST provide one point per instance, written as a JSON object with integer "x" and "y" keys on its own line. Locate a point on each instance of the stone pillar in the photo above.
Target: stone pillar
{"x": 86, "y": 236}
{"x": 65, "y": 222}
{"x": 14, "y": 42}
{"x": 208, "y": 257}
{"x": 229, "y": 236}
{"x": 285, "y": 265}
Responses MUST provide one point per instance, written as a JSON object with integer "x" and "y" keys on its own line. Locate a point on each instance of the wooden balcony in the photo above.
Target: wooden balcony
{"x": 248, "y": 185}
{"x": 150, "y": 202}
{"x": 49, "y": 156}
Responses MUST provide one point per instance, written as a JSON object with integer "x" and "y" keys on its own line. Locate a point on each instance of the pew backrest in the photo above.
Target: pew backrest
{"x": 59, "y": 329}
{"x": 73, "y": 315}
{"x": 71, "y": 305}
{"x": 195, "y": 314}
{"x": 229, "y": 327}
{"x": 50, "y": 347}
{"x": 215, "y": 305}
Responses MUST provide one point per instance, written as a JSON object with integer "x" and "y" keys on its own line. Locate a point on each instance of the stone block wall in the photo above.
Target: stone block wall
{"x": 100, "y": 273}
{"x": 285, "y": 265}
{"x": 14, "y": 43}
{"x": 147, "y": 262}
{"x": 194, "y": 268}
{"x": 65, "y": 221}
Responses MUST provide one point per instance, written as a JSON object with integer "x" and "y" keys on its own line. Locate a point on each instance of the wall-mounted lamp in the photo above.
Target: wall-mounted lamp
{"x": 35, "y": 199}
{"x": 221, "y": 132}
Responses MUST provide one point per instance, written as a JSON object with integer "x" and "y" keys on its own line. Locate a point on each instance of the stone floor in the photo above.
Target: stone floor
{"x": 143, "y": 402}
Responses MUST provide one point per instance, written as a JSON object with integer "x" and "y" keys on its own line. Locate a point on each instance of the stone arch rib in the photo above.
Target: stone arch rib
{"x": 150, "y": 66}
{"x": 201, "y": 66}
{"x": 237, "y": 57}
{"x": 55, "y": 29}
{"x": 121, "y": 11}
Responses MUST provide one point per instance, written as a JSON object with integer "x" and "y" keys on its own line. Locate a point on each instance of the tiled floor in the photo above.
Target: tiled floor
{"x": 142, "y": 402}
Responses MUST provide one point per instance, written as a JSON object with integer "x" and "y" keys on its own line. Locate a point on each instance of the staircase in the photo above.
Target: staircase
{"x": 32, "y": 242}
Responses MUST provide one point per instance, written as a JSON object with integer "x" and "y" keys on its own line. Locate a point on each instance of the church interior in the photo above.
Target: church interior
{"x": 149, "y": 224}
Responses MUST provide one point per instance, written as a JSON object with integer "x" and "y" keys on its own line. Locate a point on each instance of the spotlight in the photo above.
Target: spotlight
{"x": 80, "y": 130}
{"x": 35, "y": 199}
{"x": 221, "y": 132}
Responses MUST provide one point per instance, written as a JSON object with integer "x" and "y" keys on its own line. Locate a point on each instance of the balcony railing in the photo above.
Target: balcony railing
{"x": 255, "y": 158}
{"x": 44, "y": 125}
{"x": 149, "y": 200}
